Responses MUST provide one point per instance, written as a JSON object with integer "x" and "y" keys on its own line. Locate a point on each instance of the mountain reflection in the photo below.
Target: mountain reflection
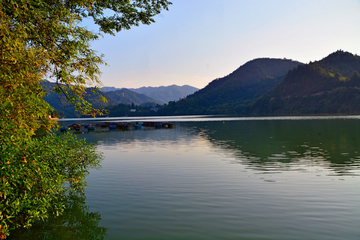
{"x": 76, "y": 223}
{"x": 272, "y": 146}
{"x": 263, "y": 145}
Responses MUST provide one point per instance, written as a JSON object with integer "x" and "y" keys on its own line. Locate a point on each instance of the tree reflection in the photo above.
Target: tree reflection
{"x": 271, "y": 146}
{"x": 76, "y": 223}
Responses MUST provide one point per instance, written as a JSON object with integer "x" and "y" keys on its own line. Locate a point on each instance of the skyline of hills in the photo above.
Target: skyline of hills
{"x": 225, "y": 95}
{"x": 161, "y": 94}
{"x": 119, "y": 97}
{"x": 328, "y": 86}
{"x": 126, "y": 96}
{"x": 262, "y": 86}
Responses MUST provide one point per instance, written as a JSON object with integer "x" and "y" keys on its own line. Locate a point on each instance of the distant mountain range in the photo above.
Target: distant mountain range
{"x": 127, "y": 96}
{"x": 160, "y": 95}
{"x": 115, "y": 96}
{"x": 261, "y": 86}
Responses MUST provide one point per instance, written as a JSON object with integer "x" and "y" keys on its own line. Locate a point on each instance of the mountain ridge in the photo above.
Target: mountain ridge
{"x": 161, "y": 94}
{"x": 263, "y": 86}
{"x": 127, "y": 96}
{"x": 225, "y": 95}
{"x": 123, "y": 96}
{"x": 328, "y": 86}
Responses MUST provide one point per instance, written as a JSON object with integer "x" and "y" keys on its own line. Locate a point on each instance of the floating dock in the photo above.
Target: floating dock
{"x": 115, "y": 126}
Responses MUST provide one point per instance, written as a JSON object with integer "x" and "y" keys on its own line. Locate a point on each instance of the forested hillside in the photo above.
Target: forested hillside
{"x": 232, "y": 93}
{"x": 328, "y": 86}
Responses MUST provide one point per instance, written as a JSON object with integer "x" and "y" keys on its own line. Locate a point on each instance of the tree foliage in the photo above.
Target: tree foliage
{"x": 34, "y": 173}
{"x": 43, "y": 39}
{"x": 77, "y": 222}
{"x": 46, "y": 39}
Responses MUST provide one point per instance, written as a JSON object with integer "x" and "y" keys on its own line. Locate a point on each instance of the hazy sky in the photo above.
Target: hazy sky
{"x": 197, "y": 41}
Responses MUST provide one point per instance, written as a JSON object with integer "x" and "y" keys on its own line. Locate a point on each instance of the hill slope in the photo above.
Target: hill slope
{"x": 330, "y": 85}
{"x": 230, "y": 94}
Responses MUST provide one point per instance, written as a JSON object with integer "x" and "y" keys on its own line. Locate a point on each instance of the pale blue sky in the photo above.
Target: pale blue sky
{"x": 197, "y": 41}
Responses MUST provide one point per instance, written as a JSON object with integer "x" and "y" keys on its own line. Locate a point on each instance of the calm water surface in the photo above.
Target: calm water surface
{"x": 221, "y": 178}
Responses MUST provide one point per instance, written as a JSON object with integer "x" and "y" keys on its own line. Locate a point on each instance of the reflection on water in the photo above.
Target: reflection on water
{"x": 76, "y": 223}
{"x": 265, "y": 145}
{"x": 268, "y": 179}
{"x": 228, "y": 179}
{"x": 289, "y": 145}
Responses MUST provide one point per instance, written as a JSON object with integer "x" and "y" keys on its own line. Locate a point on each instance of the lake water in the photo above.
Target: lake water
{"x": 221, "y": 178}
